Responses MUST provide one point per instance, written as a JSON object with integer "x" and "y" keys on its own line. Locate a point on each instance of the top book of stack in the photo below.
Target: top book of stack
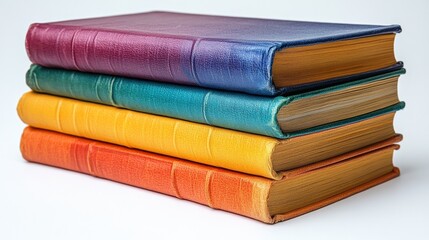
{"x": 256, "y": 56}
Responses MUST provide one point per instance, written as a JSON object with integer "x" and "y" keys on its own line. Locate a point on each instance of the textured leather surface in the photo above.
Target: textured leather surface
{"x": 214, "y": 146}
{"x": 243, "y": 112}
{"x": 209, "y": 51}
{"x": 215, "y": 187}
{"x": 239, "y": 151}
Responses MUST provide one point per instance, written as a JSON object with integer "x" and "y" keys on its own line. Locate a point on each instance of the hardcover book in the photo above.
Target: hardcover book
{"x": 239, "y": 151}
{"x": 280, "y": 117}
{"x": 257, "y": 56}
{"x": 297, "y": 192}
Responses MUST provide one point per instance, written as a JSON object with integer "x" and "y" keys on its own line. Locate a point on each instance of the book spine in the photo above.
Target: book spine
{"x": 211, "y": 63}
{"x": 220, "y": 189}
{"x": 239, "y": 151}
{"x": 243, "y": 112}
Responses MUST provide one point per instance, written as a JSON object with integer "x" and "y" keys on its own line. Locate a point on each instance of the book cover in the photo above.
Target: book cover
{"x": 243, "y": 112}
{"x": 218, "y": 52}
{"x": 217, "y": 188}
{"x": 239, "y": 151}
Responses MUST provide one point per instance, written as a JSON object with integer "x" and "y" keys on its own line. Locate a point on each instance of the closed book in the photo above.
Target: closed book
{"x": 257, "y": 56}
{"x": 234, "y": 150}
{"x": 279, "y": 117}
{"x": 297, "y": 192}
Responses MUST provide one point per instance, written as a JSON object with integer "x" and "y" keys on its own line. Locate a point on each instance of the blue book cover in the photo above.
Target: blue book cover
{"x": 256, "y": 56}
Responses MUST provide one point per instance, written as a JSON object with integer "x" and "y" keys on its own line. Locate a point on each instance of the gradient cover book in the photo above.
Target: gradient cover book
{"x": 298, "y": 191}
{"x": 280, "y": 117}
{"x": 256, "y": 56}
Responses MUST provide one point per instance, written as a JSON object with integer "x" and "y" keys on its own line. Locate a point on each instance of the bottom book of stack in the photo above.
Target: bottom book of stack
{"x": 299, "y": 191}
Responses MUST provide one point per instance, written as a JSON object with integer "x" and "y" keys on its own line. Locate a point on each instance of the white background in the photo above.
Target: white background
{"x": 39, "y": 202}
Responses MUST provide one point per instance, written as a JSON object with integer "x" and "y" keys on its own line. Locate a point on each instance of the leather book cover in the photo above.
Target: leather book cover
{"x": 228, "y": 53}
{"x": 245, "y": 194}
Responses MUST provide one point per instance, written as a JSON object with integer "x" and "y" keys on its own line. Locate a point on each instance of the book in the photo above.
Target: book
{"x": 280, "y": 117}
{"x": 234, "y": 150}
{"x": 297, "y": 192}
{"x": 256, "y": 56}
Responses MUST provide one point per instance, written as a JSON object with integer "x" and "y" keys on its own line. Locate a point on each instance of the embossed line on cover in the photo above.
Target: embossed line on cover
{"x": 193, "y": 65}
{"x": 207, "y": 188}
{"x": 57, "y": 114}
{"x": 73, "y": 51}
{"x": 32, "y": 78}
{"x": 205, "y": 103}
{"x": 174, "y": 181}
{"x": 124, "y": 127}
{"x": 208, "y": 145}
{"x": 89, "y": 159}
{"x": 111, "y": 90}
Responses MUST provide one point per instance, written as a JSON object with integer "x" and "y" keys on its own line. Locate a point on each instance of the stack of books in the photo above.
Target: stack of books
{"x": 269, "y": 119}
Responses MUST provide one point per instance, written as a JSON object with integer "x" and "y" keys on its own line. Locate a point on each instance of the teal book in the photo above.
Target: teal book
{"x": 280, "y": 117}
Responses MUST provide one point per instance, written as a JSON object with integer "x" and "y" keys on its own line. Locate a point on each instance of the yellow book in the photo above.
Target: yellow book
{"x": 239, "y": 151}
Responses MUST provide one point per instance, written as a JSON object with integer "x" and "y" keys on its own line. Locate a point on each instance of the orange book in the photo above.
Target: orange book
{"x": 299, "y": 191}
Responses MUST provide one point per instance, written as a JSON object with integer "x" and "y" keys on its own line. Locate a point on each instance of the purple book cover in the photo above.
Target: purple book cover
{"x": 227, "y": 53}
